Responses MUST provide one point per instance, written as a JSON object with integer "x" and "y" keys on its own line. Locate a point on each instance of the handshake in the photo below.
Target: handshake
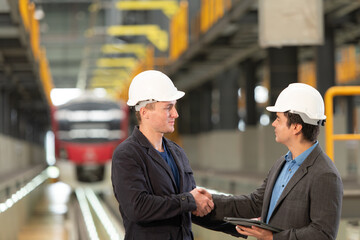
{"x": 204, "y": 202}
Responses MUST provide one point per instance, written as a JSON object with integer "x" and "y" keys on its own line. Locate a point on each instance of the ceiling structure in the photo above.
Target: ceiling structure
{"x": 75, "y": 31}
{"x": 24, "y": 84}
{"x": 235, "y": 38}
{"x": 81, "y": 49}
{"x": 70, "y": 52}
{"x": 82, "y": 52}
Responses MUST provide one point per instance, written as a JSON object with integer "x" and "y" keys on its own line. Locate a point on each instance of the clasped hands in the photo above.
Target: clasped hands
{"x": 204, "y": 202}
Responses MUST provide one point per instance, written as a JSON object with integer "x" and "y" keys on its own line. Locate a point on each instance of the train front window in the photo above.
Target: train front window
{"x": 89, "y": 132}
{"x": 90, "y": 123}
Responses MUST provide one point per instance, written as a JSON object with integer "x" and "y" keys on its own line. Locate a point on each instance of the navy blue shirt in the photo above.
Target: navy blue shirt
{"x": 166, "y": 155}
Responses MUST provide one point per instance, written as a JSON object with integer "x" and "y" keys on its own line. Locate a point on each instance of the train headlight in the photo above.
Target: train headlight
{"x": 53, "y": 172}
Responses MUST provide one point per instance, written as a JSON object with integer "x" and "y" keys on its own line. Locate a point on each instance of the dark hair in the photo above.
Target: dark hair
{"x": 310, "y": 132}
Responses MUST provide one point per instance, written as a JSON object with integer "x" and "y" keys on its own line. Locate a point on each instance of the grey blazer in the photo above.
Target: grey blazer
{"x": 308, "y": 208}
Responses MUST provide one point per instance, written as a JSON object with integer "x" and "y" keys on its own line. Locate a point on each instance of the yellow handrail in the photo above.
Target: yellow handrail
{"x": 329, "y": 106}
{"x": 31, "y": 25}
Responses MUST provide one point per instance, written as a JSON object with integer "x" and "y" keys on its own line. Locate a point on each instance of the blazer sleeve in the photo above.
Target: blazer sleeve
{"x": 131, "y": 189}
{"x": 244, "y": 206}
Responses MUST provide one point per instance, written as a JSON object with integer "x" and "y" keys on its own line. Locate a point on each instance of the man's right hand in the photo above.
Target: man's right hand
{"x": 204, "y": 202}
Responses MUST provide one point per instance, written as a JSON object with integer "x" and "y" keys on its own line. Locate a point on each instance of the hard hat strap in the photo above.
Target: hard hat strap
{"x": 307, "y": 119}
{"x": 321, "y": 122}
{"x": 142, "y": 104}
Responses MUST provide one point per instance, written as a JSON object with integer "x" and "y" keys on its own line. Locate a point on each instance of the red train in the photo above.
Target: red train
{"x": 87, "y": 130}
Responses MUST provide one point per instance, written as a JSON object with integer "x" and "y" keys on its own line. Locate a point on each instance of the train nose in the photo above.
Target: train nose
{"x": 90, "y": 155}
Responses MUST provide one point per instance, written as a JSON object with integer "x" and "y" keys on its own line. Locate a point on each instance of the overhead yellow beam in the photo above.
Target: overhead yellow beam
{"x": 107, "y": 86}
{"x": 179, "y": 27}
{"x": 101, "y": 82}
{"x": 110, "y": 72}
{"x": 116, "y": 62}
{"x": 138, "y": 49}
{"x": 168, "y": 7}
{"x": 155, "y": 35}
{"x": 109, "y": 79}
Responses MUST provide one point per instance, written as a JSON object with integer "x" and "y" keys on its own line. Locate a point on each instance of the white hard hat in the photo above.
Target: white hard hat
{"x": 301, "y": 99}
{"x": 154, "y": 86}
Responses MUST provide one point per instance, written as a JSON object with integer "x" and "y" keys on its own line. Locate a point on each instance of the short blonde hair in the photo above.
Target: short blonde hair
{"x": 150, "y": 106}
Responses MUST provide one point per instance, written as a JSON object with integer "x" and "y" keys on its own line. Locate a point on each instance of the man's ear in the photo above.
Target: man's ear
{"x": 297, "y": 128}
{"x": 144, "y": 113}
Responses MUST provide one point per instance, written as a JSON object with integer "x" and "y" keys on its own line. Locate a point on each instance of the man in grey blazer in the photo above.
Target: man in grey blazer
{"x": 302, "y": 193}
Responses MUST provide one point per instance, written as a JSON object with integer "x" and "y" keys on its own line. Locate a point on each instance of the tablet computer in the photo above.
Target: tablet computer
{"x": 250, "y": 222}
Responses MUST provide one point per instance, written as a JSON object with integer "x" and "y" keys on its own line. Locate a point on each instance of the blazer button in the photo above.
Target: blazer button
{"x": 183, "y": 198}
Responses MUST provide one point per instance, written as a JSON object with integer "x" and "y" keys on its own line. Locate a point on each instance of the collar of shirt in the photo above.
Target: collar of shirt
{"x": 288, "y": 170}
{"x": 300, "y": 159}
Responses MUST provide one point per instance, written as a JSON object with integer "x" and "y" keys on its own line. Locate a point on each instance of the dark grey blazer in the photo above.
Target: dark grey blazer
{"x": 151, "y": 205}
{"x": 308, "y": 208}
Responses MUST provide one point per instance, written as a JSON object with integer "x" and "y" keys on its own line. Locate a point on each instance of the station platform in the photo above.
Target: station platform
{"x": 57, "y": 215}
{"x": 49, "y": 219}
{"x": 64, "y": 213}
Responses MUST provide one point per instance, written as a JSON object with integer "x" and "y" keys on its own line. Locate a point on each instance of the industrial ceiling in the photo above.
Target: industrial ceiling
{"x": 74, "y": 32}
{"x": 82, "y": 52}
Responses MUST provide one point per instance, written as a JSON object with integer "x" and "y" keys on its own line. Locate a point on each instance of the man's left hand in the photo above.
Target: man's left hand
{"x": 259, "y": 233}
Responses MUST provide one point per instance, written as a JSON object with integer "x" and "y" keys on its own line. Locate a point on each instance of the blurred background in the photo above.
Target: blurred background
{"x": 65, "y": 69}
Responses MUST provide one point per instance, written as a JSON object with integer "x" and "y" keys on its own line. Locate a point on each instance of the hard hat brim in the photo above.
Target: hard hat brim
{"x": 176, "y": 96}
{"x": 276, "y": 109}
{"x": 303, "y": 116}
{"x": 131, "y": 103}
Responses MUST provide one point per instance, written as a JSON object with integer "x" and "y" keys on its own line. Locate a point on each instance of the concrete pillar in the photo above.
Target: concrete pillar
{"x": 228, "y": 86}
{"x": 205, "y": 108}
{"x": 183, "y": 108}
{"x": 195, "y": 111}
{"x": 249, "y": 69}
{"x": 2, "y": 115}
{"x": 13, "y": 115}
{"x": 6, "y": 112}
{"x": 283, "y": 66}
{"x": 350, "y": 114}
{"x": 325, "y": 62}
{"x": 22, "y": 124}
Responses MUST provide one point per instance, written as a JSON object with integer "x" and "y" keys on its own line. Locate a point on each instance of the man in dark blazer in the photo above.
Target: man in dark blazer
{"x": 302, "y": 193}
{"x": 151, "y": 175}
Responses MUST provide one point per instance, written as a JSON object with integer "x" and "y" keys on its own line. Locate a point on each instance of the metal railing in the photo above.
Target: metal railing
{"x": 329, "y": 108}
{"x": 15, "y": 187}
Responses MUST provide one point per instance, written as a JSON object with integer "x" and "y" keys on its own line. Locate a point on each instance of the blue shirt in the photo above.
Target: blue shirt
{"x": 166, "y": 155}
{"x": 289, "y": 169}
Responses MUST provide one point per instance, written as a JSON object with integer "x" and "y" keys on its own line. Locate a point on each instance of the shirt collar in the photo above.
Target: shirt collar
{"x": 300, "y": 159}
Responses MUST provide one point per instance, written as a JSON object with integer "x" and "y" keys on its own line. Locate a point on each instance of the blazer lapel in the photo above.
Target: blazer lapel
{"x": 151, "y": 151}
{"x": 158, "y": 159}
{"x": 270, "y": 185}
{"x": 300, "y": 173}
{"x": 176, "y": 155}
